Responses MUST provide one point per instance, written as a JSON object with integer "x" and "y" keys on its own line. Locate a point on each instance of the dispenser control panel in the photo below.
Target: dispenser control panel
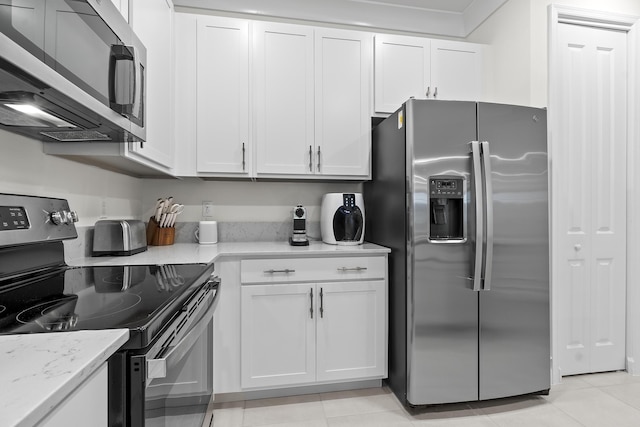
{"x": 449, "y": 187}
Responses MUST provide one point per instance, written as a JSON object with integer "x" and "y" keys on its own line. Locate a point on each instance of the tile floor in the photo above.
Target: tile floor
{"x": 598, "y": 400}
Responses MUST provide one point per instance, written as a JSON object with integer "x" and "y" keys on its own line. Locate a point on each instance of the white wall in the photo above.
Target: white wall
{"x": 517, "y": 35}
{"x": 92, "y": 192}
{"x": 243, "y": 201}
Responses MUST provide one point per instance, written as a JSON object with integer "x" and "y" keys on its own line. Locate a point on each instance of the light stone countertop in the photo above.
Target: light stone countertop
{"x": 184, "y": 253}
{"x": 39, "y": 371}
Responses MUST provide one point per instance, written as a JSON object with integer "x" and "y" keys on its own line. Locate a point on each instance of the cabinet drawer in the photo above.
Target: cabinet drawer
{"x": 279, "y": 270}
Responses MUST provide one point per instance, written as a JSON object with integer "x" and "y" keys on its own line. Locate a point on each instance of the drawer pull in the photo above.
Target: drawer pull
{"x": 343, "y": 269}
{"x": 285, "y": 271}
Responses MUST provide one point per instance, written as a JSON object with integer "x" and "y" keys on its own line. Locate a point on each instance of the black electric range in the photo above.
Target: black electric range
{"x": 167, "y": 308}
{"x": 135, "y": 297}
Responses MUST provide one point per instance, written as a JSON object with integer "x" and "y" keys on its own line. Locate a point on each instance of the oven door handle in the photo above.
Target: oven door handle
{"x": 158, "y": 367}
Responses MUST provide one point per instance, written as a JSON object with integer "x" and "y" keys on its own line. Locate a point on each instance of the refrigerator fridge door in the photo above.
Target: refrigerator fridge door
{"x": 514, "y": 313}
{"x": 442, "y": 308}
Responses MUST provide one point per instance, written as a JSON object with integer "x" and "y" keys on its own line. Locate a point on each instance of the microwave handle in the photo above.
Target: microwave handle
{"x": 121, "y": 53}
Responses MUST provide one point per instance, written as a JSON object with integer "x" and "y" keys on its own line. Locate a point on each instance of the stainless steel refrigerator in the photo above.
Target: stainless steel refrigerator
{"x": 459, "y": 192}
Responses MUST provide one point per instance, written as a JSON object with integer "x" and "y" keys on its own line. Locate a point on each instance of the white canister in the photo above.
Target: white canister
{"x": 207, "y": 232}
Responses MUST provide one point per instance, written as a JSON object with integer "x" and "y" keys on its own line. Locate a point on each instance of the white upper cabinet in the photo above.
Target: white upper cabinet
{"x": 222, "y": 96}
{"x": 342, "y": 102}
{"x": 423, "y": 68}
{"x": 283, "y": 84}
{"x": 264, "y": 99}
{"x": 312, "y": 100}
{"x": 152, "y": 21}
{"x": 456, "y": 70}
{"x": 402, "y": 70}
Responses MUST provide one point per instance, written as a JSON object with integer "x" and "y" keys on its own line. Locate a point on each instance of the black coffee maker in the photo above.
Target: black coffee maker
{"x": 342, "y": 219}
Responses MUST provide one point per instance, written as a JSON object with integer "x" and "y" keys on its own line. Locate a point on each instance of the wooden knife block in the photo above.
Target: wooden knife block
{"x": 159, "y": 236}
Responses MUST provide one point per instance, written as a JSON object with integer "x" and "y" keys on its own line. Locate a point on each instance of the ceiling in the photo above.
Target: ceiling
{"x": 452, "y": 18}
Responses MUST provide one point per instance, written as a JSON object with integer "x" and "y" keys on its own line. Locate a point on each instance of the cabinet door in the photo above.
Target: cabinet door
{"x": 152, "y": 21}
{"x": 351, "y": 328}
{"x": 277, "y": 335}
{"x": 342, "y": 102}
{"x": 283, "y": 82}
{"x": 222, "y": 95}
{"x": 401, "y": 70}
{"x": 456, "y": 70}
{"x": 86, "y": 406}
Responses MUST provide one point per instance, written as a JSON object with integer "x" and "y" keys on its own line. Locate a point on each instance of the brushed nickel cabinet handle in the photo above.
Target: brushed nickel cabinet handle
{"x": 318, "y": 158}
{"x": 311, "y": 302}
{"x": 321, "y": 303}
{"x": 285, "y": 271}
{"x": 428, "y": 91}
{"x": 310, "y": 159}
{"x": 435, "y": 92}
{"x": 343, "y": 269}
{"x": 243, "y": 161}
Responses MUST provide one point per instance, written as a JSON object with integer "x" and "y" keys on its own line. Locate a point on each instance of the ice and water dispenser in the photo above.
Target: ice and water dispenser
{"x": 446, "y": 209}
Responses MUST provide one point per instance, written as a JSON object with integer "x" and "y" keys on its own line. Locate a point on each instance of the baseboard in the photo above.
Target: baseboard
{"x": 295, "y": 391}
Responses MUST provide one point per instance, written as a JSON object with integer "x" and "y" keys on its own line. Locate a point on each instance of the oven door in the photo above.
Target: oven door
{"x": 172, "y": 383}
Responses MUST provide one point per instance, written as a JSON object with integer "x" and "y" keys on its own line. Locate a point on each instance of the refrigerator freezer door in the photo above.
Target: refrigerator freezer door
{"x": 442, "y": 316}
{"x": 514, "y": 314}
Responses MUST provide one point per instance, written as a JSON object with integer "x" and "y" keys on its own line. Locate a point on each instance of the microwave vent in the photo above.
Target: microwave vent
{"x": 77, "y": 135}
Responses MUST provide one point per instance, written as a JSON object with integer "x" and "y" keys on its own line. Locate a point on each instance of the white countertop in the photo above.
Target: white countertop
{"x": 185, "y": 253}
{"x": 38, "y": 371}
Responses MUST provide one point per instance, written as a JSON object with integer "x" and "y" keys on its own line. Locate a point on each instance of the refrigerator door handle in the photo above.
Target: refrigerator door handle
{"x": 488, "y": 203}
{"x": 479, "y": 198}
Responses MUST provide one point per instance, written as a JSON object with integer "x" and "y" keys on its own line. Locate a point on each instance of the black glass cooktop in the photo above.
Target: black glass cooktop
{"x": 138, "y": 297}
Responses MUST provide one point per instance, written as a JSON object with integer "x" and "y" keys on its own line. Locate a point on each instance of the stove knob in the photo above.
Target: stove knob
{"x": 74, "y": 216}
{"x": 57, "y": 217}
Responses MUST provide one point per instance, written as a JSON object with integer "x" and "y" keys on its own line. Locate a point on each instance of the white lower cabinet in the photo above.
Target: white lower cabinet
{"x": 278, "y": 335}
{"x": 295, "y": 333}
{"x": 305, "y": 333}
{"x": 86, "y": 406}
{"x": 350, "y": 331}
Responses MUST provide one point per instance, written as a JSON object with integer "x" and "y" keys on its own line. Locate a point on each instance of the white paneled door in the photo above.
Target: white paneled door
{"x": 590, "y": 198}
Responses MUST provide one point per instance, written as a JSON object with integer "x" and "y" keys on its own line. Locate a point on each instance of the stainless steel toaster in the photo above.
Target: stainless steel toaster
{"x": 119, "y": 237}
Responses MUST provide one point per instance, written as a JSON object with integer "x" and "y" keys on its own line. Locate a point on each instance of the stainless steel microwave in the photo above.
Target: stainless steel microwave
{"x": 70, "y": 70}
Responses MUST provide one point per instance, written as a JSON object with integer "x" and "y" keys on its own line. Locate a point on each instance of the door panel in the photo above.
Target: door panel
{"x": 277, "y": 335}
{"x": 283, "y": 83}
{"x": 402, "y": 70}
{"x": 342, "y": 113}
{"x": 592, "y": 172}
{"x": 350, "y": 330}
{"x": 514, "y": 314}
{"x": 222, "y": 98}
{"x": 456, "y": 70}
{"x": 442, "y": 320}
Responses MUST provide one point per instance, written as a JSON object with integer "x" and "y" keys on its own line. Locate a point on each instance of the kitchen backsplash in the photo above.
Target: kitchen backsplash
{"x": 185, "y": 233}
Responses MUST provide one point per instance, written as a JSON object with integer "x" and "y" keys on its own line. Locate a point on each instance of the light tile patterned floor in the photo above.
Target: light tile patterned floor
{"x": 597, "y": 400}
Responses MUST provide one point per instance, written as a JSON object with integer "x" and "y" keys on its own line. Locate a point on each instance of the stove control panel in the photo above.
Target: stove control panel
{"x": 13, "y": 218}
{"x": 31, "y": 219}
